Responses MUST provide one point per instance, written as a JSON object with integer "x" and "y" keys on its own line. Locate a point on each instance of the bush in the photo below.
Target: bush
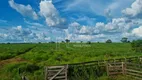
{"x": 89, "y": 42}
{"x": 108, "y": 41}
{"x": 137, "y": 45}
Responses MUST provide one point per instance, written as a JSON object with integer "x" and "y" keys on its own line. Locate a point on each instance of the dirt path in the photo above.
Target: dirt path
{"x": 12, "y": 60}
{"x": 15, "y": 59}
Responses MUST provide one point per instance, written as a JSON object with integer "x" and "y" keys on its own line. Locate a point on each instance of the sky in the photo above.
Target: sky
{"x": 76, "y": 20}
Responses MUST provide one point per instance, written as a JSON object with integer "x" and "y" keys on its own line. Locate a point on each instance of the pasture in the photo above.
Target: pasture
{"x": 30, "y": 59}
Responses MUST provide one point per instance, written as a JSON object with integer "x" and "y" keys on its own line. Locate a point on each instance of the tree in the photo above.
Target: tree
{"x": 108, "y": 41}
{"x": 137, "y": 45}
{"x": 124, "y": 40}
{"x": 89, "y": 42}
{"x": 8, "y": 43}
{"x": 52, "y": 42}
{"x": 63, "y": 42}
{"x": 67, "y": 40}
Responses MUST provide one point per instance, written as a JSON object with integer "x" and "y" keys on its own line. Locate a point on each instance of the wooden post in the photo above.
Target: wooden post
{"x": 66, "y": 72}
{"x": 107, "y": 69}
{"x": 140, "y": 60}
{"x": 98, "y": 63}
{"x": 123, "y": 68}
{"x": 125, "y": 59}
{"x": 46, "y": 73}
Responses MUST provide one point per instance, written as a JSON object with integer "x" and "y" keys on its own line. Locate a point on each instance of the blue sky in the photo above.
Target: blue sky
{"x": 77, "y": 20}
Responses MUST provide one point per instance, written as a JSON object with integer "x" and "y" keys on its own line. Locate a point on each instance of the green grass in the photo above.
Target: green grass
{"x": 11, "y": 50}
{"x": 48, "y": 54}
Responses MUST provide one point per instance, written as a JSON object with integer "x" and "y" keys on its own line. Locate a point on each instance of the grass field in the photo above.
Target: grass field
{"x": 31, "y": 58}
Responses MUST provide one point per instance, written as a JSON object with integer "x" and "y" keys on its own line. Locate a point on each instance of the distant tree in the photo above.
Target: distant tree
{"x": 89, "y": 42}
{"x": 39, "y": 42}
{"x": 8, "y": 43}
{"x": 67, "y": 40}
{"x": 108, "y": 41}
{"x": 137, "y": 45}
{"x": 52, "y": 42}
{"x": 63, "y": 42}
{"x": 124, "y": 40}
{"x": 81, "y": 41}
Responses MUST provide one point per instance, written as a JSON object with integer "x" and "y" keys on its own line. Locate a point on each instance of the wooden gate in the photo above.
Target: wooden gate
{"x": 134, "y": 70}
{"x": 56, "y": 72}
{"x": 125, "y": 68}
{"x": 115, "y": 68}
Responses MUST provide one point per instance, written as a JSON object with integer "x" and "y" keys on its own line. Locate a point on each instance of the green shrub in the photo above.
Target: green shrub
{"x": 137, "y": 45}
{"x": 108, "y": 41}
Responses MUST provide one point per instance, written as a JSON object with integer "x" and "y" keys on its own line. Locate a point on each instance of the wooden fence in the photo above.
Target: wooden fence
{"x": 134, "y": 70}
{"x": 56, "y": 72}
{"x": 125, "y": 68}
{"x": 113, "y": 67}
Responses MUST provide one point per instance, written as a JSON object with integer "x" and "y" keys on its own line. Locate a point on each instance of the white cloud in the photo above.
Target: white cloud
{"x": 108, "y": 13}
{"x": 74, "y": 24}
{"x": 68, "y": 35}
{"x": 3, "y": 21}
{"x": 82, "y": 37}
{"x": 76, "y": 28}
{"x": 116, "y": 25}
{"x": 137, "y": 31}
{"x": 51, "y": 14}
{"x": 26, "y": 11}
{"x": 20, "y": 34}
{"x": 84, "y": 30}
{"x": 33, "y": 23}
{"x": 135, "y": 10}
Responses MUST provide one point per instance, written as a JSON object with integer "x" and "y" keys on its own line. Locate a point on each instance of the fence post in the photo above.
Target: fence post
{"x": 123, "y": 68}
{"x": 66, "y": 72}
{"x": 107, "y": 69}
{"x": 46, "y": 73}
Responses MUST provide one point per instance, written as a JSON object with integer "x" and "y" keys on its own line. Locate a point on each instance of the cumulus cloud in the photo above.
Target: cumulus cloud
{"x": 84, "y": 27}
{"x": 33, "y": 23}
{"x": 135, "y": 10}
{"x": 77, "y": 37}
{"x": 117, "y": 25}
{"x": 76, "y": 28}
{"x": 26, "y": 11}
{"x": 20, "y": 34}
{"x": 51, "y": 14}
{"x": 137, "y": 31}
{"x": 74, "y": 24}
{"x": 108, "y": 13}
{"x": 82, "y": 37}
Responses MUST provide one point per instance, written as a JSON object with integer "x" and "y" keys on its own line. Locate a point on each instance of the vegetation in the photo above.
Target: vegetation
{"x": 30, "y": 59}
{"x": 124, "y": 40}
{"x": 89, "y": 42}
{"x": 67, "y": 40}
{"x": 137, "y": 45}
{"x": 108, "y": 41}
{"x": 11, "y": 50}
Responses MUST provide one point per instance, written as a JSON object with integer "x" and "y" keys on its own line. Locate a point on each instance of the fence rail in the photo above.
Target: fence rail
{"x": 56, "y": 72}
{"x": 123, "y": 66}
